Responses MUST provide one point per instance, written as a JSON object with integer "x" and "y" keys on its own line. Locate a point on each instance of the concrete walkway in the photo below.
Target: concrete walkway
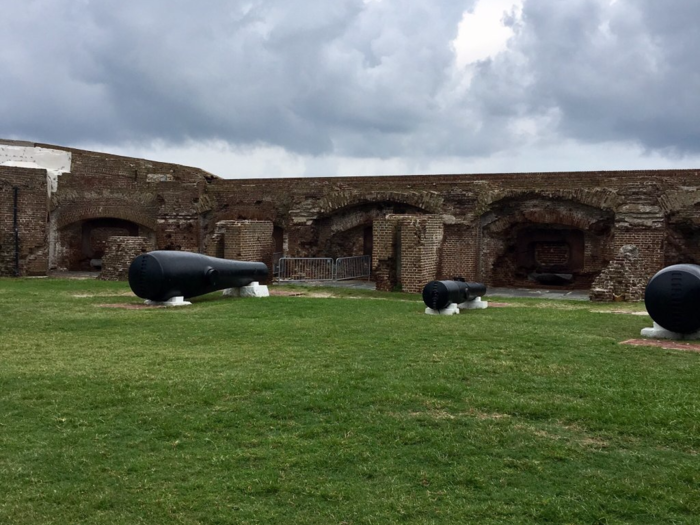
{"x": 571, "y": 295}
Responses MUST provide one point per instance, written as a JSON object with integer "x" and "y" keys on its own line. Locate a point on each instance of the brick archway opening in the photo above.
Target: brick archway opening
{"x": 83, "y": 243}
{"x": 542, "y": 255}
{"x": 682, "y": 244}
{"x": 544, "y": 243}
{"x": 348, "y": 232}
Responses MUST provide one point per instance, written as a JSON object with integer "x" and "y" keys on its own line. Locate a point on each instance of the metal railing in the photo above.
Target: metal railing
{"x": 306, "y": 269}
{"x": 322, "y": 268}
{"x": 353, "y": 267}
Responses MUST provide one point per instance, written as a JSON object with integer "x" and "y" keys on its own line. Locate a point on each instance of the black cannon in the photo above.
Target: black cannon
{"x": 162, "y": 275}
{"x": 672, "y": 298}
{"x": 438, "y": 295}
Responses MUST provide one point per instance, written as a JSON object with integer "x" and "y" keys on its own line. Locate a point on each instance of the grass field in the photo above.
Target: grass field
{"x": 339, "y": 410}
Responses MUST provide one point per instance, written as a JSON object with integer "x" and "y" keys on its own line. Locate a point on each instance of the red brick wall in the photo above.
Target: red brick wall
{"x": 459, "y": 253}
{"x": 406, "y": 251}
{"x": 182, "y": 206}
{"x": 32, "y": 213}
{"x": 243, "y": 241}
{"x": 384, "y": 260}
{"x": 119, "y": 254}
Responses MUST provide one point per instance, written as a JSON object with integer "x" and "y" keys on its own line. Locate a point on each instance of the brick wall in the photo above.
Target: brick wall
{"x": 459, "y": 253}
{"x": 243, "y": 241}
{"x": 384, "y": 255}
{"x": 182, "y": 205}
{"x": 406, "y": 251}
{"x": 120, "y": 251}
{"x": 32, "y": 212}
{"x": 624, "y": 279}
{"x": 649, "y": 242}
{"x": 421, "y": 238}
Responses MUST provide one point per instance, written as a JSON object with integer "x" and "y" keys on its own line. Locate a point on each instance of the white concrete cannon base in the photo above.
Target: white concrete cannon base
{"x": 254, "y": 289}
{"x": 173, "y": 301}
{"x": 659, "y": 332}
{"x": 452, "y": 309}
{"x": 476, "y": 304}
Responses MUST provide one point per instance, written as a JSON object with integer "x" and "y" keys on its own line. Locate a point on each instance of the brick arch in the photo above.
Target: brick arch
{"x": 681, "y": 211}
{"x": 72, "y": 215}
{"x": 425, "y": 201}
{"x": 346, "y": 230}
{"x": 678, "y": 200}
{"x": 512, "y": 227}
{"x": 506, "y": 212}
{"x": 598, "y": 198}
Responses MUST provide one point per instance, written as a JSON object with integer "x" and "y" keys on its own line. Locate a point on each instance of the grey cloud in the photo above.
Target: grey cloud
{"x": 622, "y": 71}
{"x": 310, "y": 75}
{"x": 347, "y": 77}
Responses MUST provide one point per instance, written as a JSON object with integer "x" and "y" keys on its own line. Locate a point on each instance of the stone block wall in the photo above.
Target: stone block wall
{"x": 624, "y": 279}
{"x": 120, "y": 251}
{"x": 32, "y": 213}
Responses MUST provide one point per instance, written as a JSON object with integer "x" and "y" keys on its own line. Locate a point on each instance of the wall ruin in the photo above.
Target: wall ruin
{"x": 497, "y": 228}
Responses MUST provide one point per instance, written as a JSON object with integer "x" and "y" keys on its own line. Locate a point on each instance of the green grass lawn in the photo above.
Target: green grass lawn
{"x": 345, "y": 410}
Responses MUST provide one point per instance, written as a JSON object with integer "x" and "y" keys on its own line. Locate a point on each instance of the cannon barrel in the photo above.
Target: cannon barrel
{"x": 672, "y": 298}
{"x": 162, "y": 274}
{"x": 439, "y": 294}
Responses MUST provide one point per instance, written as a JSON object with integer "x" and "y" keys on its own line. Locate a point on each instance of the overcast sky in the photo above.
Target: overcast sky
{"x": 270, "y": 88}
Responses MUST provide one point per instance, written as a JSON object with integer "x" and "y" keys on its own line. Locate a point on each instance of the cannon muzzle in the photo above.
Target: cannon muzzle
{"x": 163, "y": 274}
{"x": 438, "y": 295}
{"x": 672, "y": 298}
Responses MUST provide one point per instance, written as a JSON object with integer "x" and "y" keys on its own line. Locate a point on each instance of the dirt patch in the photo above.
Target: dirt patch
{"x": 499, "y": 305}
{"x": 106, "y": 294}
{"x": 627, "y": 312}
{"x": 666, "y": 345}
{"x": 487, "y": 415}
{"x": 128, "y": 306}
{"x": 286, "y": 293}
{"x": 594, "y": 442}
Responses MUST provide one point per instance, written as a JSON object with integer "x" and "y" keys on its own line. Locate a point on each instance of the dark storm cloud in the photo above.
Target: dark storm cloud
{"x": 310, "y": 75}
{"x": 610, "y": 71}
{"x": 347, "y": 77}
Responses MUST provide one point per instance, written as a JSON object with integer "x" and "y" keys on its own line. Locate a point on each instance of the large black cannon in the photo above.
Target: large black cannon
{"x": 672, "y": 298}
{"x": 438, "y": 295}
{"x": 162, "y": 275}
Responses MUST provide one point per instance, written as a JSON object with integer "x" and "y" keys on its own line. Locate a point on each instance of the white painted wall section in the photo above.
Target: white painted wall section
{"x": 54, "y": 161}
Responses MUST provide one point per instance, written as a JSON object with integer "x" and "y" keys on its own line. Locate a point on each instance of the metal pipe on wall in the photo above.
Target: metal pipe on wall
{"x": 16, "y": 227}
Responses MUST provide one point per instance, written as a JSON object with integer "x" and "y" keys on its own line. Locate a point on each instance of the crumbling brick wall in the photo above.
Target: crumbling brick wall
{"x": 624, "y": 279}
{"x": 406, "y": 251}
{"x": 243, "y": 240}
{"x": 180, "y": 207}
{"x": 32, "y": 210}
{"x": 459, "y": 253}
{"x": 120, "y": 251}
{"x": 384, "y": 259}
